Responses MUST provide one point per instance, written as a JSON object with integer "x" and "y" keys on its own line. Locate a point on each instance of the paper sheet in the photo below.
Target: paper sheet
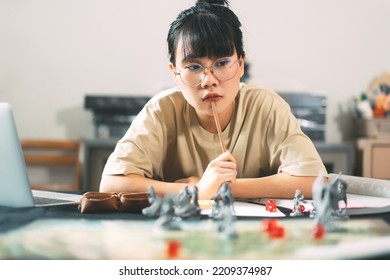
{"x": 242, "y": 209}
{"x": 356, "y": 204}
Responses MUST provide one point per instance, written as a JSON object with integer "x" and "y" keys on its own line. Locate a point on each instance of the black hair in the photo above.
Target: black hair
{"x": 208, "y": 29}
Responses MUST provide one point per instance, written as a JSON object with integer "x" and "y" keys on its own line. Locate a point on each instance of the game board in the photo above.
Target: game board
{"x": 199, "y": 239}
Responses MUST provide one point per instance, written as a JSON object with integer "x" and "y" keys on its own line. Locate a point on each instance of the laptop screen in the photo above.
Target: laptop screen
{"x": 15, "y": 189}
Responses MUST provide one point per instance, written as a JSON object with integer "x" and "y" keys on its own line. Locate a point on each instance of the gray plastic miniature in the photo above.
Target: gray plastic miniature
{"x": 297, "y": 204}
{"x": 187, "y": 206}
{"x": 223, "y": 211}
{"x": 313, "y": 210}
{"x": 167, "y": 219}
{"x": 184, "y": 197}
{"x": 326, "y": 199}
{"x": 338, "y": 190}
{"x": 226, "y": 223}
{"x": 155, "y": 204}
{"x": 222, "y": 198}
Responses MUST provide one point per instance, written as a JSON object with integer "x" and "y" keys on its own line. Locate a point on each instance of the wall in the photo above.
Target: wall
{"x": 53, "y": 52}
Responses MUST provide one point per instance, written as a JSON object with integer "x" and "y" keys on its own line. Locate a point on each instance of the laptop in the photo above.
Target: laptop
{"x": 15, "y": 190}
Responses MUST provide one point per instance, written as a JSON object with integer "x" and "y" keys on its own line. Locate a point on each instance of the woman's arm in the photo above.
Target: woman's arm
{"x": 219, "y": 170}
{"x": 281, "y": 185}
{"x": 222, "y": 168}
{"x": 137, "y": 183}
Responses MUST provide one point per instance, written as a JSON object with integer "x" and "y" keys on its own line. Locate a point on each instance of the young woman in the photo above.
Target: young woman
{"x": 174, "y": 141}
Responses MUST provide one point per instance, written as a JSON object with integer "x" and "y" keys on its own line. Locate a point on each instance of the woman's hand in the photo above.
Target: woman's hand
{"x": 221, "y": 169}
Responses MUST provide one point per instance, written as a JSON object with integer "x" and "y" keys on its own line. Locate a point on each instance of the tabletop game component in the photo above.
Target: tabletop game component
{"x": 273, "y": 229}
{"x": 226, "y": 223}
{"x": 271, "y": 205}
{"x": 194, "y": 194}
{"x": 187, "y": 205}
{"x": 269, "y": 224}
{"x": 313, "y": 210}
{"x": 223, "y": 211}
{"x": 327, "y": 199}
{"x": 339, "y": 193}
{"x": 297, "y": 209}
{"x": 184, "y": 196}
{"x": 223, "y": 197}
{"x": 173, "y": 249}
{"x": 155, "y": 204}
{"x": 167, "y": 214}
{"x": 318, "y": 231}
{"x": 278, "y": 232}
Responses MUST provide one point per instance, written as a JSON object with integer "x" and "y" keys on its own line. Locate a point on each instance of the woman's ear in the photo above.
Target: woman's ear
{"x": 241, "y": 63}
{"x": 173, "y": 70}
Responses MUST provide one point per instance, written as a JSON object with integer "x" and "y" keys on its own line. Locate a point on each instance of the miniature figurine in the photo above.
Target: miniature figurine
{"x": 167, "y": 214}
{"x": 339, "y": 193}
{"x": 155, "y": 204}
{"x": 187, "y": 205}
{"x": 313, "y": 209}
{"x": 297, "y": 207}
{"x": 226, "y": 222}
{"x": 224, "y": 197}
{"x": 321, "y": 196}
{"x": 184, "y": 197}
{"x": 194, "y": 193}
{"x": 223, "y": 211}
{"x": 327, "y": 199}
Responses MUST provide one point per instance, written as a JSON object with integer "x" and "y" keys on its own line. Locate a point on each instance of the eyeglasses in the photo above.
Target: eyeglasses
{"x": 223, "y": 69}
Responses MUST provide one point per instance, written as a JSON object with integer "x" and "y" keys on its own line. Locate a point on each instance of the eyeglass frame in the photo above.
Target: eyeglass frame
{"x": 210, "y": 68}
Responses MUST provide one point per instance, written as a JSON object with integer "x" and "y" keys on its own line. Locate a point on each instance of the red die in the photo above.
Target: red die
{"x": 269, "y": 225}
{"x": 277, "y": 232}
{"x": 272, "y": 227}
{"x": 318, "y": 231}
{"x": 271, "y": 205}
{"x": 173, "y": 249}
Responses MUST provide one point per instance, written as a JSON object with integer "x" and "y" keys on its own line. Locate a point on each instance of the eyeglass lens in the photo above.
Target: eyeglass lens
{"x": 223, "y": 69}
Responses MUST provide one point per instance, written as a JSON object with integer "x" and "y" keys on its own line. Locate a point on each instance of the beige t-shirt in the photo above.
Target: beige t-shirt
{"x": 166, "y": 141}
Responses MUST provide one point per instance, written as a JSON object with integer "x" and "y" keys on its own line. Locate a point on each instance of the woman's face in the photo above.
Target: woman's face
{"x": 210, "y": 89}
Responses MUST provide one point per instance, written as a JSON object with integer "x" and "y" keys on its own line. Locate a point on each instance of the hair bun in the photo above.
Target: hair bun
{"x": 212, "y": 2}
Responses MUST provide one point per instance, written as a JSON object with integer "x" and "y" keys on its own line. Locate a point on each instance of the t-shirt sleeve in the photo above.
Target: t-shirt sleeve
{"x": 291, "y": 149}
{"x": 140, "y": 149}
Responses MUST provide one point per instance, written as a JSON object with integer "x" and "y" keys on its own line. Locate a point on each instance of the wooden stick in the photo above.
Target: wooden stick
{"x": 218, "y": 125}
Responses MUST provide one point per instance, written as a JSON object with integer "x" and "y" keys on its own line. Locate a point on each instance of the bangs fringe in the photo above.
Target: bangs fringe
{"x": 205, "y": 36}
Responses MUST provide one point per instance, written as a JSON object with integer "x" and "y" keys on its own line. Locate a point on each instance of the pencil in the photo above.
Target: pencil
{"x": 218, "y": 125}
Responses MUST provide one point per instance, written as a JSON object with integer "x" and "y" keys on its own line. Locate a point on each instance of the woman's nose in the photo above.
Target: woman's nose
{"x": 208, "y": 78}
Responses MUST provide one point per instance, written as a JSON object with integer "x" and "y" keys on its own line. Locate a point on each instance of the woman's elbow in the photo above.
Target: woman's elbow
{"x": 107, "y": 184}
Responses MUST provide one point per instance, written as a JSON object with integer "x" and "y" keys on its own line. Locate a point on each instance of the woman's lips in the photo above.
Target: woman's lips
{"x": 211, "y": 98}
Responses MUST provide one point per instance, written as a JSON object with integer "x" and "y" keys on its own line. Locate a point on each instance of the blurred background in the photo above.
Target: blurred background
{"x": 53, "y": 53}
